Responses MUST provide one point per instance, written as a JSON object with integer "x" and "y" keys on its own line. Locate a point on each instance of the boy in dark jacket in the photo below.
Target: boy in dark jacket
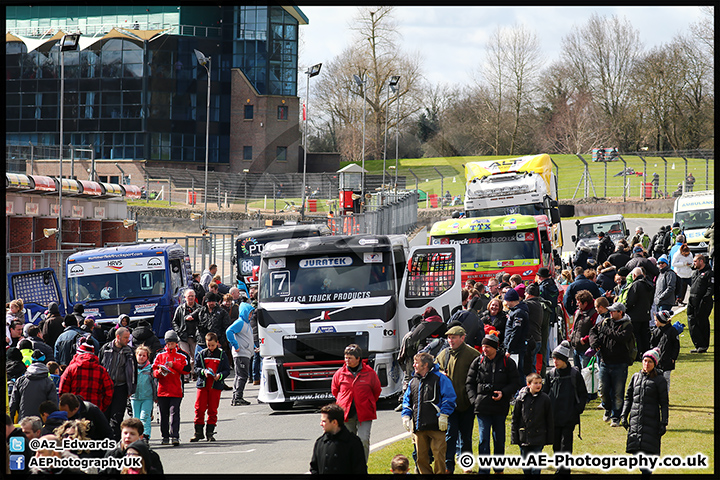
{"x": 664, "y": 337}
{"x": 568, "y": 395}
{"x": 211, "y": 366}
{"x": 337, "y": 451}
{"x": 532, "y": 420}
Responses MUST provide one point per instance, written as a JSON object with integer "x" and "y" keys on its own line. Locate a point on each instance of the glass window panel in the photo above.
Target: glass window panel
{"x": 282, "y": 154}
{"x": 133, "y": 55}
{"x": 133, "y": 70}
{"x": 247, "y": 153}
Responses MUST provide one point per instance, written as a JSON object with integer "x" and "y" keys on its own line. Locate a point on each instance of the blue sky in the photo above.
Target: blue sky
{"x": 452, "y": 39}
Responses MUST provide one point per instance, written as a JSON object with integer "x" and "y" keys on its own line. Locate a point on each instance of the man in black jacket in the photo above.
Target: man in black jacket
{"x": 638, "y": 302}
{"x": 639, "y": 260}
{"x": 79, "y": 409}
{"x": 185, "y": 326}
{"x": 605, "y": 248}
{"x": 492, "y": 381}
{"x": 210, "y": 318}
{"x": 119, "y": 360}
{"x": 700, "y": 304}
{"x": 620, "y": 257}
{"x": 337, "y": 451}
{"x": 52, "y": 326}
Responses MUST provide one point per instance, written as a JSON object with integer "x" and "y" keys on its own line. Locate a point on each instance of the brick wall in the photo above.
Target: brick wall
{"x": 70, "y": 232}
{"x": 113, "y": 231}
{"x": 90, "y": 232}
{"x": 20, "y": 234}
{"x": 41, "y": 243}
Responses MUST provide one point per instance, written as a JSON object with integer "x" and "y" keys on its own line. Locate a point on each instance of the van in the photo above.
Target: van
{"x": 695, "y": 212}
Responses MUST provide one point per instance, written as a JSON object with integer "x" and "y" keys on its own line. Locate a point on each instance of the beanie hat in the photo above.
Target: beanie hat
{"x": 491, "y": 340}
{"x": 24, "y": 344}
{"x": 601, "y": 234}
{"x": 663, "y": 259}
{"x": 676, "y": 225}
{"x": 520, "y": 289}
{"x": 562, "y": 351}
{"x": 70, "y": 320}
{"x": 664, "y": 316}
{"x": 13, "y": 353}
{"x": 171, "y": 336}
{"x": 533, "y": 289}
{"x": 38, "y": 356}
{"x": 26, "y": 328}
{"x": 430, "y": 312}
{"x": 544, "y": 272}
{"x": 637, "y": 249}
{"x": 86, "y": 347}
{"x": 654, "y": 354}
{"x": 511, "y": 295}
{"x": 54, "y": 308}
{"x": 79, "y": 308}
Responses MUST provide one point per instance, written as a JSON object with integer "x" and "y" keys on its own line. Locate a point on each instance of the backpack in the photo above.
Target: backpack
{"x": 80, "y": 338}
{"x": 434, "y": 347}
{"x": 631, "y": 345}
{"x": 199, "y": 291}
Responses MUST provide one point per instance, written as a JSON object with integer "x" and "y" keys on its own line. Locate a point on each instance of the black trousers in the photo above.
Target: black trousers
{"x": 169, "y": 416}
{"x": 563, "y": 442}
{"x": 116, "y": 411}
{"x": 698, "y": 314}
{"x": 641, "y": 330}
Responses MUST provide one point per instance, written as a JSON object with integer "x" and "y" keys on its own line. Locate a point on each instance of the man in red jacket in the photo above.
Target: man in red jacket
{"x": 85, "y": 376}
{"x": 356, "y": 388}
{"x": 168, "y": 369}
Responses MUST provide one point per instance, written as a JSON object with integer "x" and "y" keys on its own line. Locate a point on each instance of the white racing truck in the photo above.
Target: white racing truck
{"x": 695, "y": 212}
{"x": 318, "y": 295}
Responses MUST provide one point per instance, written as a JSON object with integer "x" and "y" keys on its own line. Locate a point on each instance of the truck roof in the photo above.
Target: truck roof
{"x": 695, "y": 200}
{"x": 139, "y": 249}
{"x": 317, "y": 245}
{"x": 285, "y": 230}
{"x": 602, "y": 219}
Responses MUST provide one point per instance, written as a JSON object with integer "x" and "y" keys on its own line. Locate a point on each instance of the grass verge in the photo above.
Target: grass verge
{"x": 690, "y": 429}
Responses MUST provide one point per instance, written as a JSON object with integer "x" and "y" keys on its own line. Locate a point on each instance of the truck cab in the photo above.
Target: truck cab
{"x": 318, "y": 295}
{"x": 695, "y": 212}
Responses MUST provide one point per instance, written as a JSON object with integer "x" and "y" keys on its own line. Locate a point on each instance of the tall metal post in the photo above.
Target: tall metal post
{"x": 205, "y": 62}
{"x": 311, "y": 72}
{"x": 62, "y": 117}
{"x": 397, "y": 132}
{"x": 382, "y": 188}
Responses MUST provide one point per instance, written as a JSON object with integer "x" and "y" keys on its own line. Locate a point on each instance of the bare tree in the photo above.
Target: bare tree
{"x": 601, "y": 55}
{"x": 375, "y": 56}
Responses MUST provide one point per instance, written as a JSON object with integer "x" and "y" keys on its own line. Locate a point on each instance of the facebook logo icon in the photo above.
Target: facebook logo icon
{"x": 17, "y": 462}
{"x": 17, "y": 444}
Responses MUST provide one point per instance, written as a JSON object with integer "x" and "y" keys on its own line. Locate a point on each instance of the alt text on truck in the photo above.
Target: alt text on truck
{"x": 318, "y": 295}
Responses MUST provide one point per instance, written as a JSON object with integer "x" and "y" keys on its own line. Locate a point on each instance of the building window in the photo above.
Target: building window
{"x": 282, "y": 112}
{"x": 248, "y": 112}
{"x": 247, "y": 153}
{"x": 282, "y": 154}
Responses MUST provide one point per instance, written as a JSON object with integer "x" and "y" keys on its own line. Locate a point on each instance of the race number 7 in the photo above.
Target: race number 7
{"x": 280, "y": 283}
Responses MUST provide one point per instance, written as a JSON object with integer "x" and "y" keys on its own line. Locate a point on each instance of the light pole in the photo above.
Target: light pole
{"x": 311, "y": 72}
{"x": 67, "y": 43}
{"x": 361, "y": 83}
{"x": 205, "y": 62}
{"x": 394, "y": 80}
{"x": 245, "y": 172}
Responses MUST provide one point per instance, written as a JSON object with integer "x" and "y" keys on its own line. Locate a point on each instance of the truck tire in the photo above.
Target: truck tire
{"x": 281, "y": 406}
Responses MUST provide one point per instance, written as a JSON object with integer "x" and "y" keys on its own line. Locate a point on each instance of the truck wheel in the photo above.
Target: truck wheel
{"x": 281, "y": 407}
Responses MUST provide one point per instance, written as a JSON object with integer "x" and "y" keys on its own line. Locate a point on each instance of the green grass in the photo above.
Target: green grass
{"x": 570, "y": 170}
{"x": 690, "y": 429}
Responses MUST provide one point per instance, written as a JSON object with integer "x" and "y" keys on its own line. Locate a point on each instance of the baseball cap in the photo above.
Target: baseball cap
{"x": 617, "y": 307}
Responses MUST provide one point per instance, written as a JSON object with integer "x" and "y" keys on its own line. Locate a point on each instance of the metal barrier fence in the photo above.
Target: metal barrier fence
{"x": 55, "y": 259}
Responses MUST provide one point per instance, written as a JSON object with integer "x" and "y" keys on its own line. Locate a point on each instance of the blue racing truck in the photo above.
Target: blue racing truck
{"x": 145, "y": 281}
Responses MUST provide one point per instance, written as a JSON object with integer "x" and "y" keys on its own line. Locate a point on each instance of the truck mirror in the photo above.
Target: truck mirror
{"x": 577, "y": 222}
{"x": 555, "y": 215}
{"x": 574, "y": 239}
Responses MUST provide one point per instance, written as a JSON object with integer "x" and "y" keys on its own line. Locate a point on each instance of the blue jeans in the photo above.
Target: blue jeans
{"x": 612, "y": 383}
{"x": 256, "y": 364}
{"x": 458, "y": 436}
{"x": 485, "y": 424}
{"x": 531, "y": 449}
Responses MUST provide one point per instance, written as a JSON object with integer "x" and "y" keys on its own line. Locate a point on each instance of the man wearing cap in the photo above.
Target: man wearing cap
{"x": 455, "y": 363}
{"x": 665, "y": 285}
{"x": 664, "y": 337}
{"x": 492, "y": 381}
{"x": 700, "y": 303}
{"x": 516, "y": 328}
{"x": 605, "y": 248}
{"x": 640, "y": 237}
{"x": 639, "y": 260}
{"x": 609, "y": 338}
{"x": 85, "y": 376}
{"x": 32, "y": 388}
{"x": 118, "y": 359}
{"x": 210, "y": 318}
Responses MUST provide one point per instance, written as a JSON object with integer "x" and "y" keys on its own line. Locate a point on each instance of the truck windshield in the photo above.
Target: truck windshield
{"x": 494, "y": 246}
{"x": 345, "y": 276}
{"x": 116, "y": 285}
{"x": 695, "y": 219}
{"x": 592, "y": 230}
{"x": 531, "y": 209}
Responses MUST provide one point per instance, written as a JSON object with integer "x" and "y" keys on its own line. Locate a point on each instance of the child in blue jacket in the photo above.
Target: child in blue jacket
{"x": 145, "y": 391}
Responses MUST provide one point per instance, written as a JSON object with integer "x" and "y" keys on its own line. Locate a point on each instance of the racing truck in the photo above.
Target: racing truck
{"x": 317, "y": 295}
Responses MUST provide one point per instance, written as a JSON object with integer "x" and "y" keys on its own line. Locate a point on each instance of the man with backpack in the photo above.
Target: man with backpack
{"x": 614, "y": 340}
{"x": 66, "y": 344}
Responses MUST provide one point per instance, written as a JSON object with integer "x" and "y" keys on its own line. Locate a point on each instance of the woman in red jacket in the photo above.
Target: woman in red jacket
{"x": 356, "y": 388}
